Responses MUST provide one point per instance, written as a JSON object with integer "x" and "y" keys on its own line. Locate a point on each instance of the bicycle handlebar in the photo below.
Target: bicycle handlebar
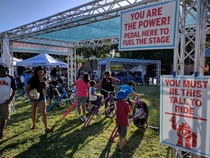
{"x": 137, "y": 99}
{"x": 107, "y": 91}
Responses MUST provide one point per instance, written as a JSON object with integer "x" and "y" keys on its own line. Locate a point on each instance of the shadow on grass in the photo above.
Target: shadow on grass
{"x": 129, "y": 147}
{"x": 66, "y": 139}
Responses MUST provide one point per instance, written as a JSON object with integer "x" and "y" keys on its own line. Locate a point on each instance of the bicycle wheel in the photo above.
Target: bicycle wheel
{"x": 72, "y": 97}
{"x": 62, "y": 103}
{"x": 109, "y": 110}
{"x": 140, "y": 121}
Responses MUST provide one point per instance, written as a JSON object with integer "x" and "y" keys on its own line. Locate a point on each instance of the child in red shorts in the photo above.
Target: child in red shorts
{"x": 122, "y": 113}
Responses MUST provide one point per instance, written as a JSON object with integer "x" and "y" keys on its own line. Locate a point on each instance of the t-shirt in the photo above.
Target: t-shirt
{"x": 92, "y": 91}
{"x": 22, "y": 79}
{"x": 107, "y": 84}
{"x": 122, "y": 112}
{"x": 6, "y": 84}
{"x": 126, "y": 87}
{"x": 82, "y": 88}
{"x": 36, "y": 84}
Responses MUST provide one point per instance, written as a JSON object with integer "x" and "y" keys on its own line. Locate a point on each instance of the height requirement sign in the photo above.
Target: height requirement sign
{"x": 185, "y": 113}
{"x": 149, "y": 27}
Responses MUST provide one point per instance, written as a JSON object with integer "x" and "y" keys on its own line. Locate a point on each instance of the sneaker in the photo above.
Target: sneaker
{"x": 2, "y": 136}
{"x": 119, "y": 153}
{"x": 81, "y": 119}
{"x": 34, "y": 127}
{"x": 84, "y": 118}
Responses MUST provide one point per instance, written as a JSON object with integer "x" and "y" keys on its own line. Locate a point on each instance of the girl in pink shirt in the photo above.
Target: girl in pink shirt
{"x": 82, "y": 95}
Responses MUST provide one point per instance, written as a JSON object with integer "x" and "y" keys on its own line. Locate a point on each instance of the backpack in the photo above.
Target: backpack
{"x": 53, "y": 72}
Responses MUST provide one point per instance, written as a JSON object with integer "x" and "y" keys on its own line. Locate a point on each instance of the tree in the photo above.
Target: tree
{"x": 92, "y": 53}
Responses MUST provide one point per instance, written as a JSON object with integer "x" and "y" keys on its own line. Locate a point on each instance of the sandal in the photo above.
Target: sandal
{"x": 34, "y": 127}
{"x": 48, "y": 130}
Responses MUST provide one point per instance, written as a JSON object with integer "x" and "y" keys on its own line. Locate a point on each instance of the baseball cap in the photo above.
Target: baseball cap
{"x": 2, "y": 65}
{"x": 122, "y": 94}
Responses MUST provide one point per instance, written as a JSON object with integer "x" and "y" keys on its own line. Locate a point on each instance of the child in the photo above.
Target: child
{"x": 82, "y": 95}
{"x": 93, "y": 96}
{"x": 130, "y": 88}
{"x": 122, "y": 113}
{"x": 53, "y": 91}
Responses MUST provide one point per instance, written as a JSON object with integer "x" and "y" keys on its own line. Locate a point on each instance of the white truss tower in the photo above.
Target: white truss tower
{"x": 195, "y": 36}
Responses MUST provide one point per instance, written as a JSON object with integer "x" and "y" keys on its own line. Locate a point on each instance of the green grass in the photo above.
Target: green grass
{"x": 69, "y": 140}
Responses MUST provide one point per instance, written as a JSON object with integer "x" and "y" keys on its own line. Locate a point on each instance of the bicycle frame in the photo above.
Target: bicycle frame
{"x": 69, "y": 109}
{"x": 96, "y": 110}
{"x": 20, "y": 94}
{"x": 71, "y": 99}
{"x": 58, "y": 99}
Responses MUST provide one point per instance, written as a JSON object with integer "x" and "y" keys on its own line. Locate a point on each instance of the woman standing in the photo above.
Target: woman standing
{"x": 38, "y": 85}
{"x": 82, "y": 94}
{"x": 106, "y": 83}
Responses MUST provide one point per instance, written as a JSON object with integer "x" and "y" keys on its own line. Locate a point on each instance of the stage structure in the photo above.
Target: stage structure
{"x": 96, "y": 23}
{"x": 108, "y": 61}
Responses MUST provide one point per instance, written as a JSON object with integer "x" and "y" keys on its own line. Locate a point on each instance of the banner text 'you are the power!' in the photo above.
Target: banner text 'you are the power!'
{"x": 149, "y": 26}
{"x": 142, "y": 36}
{"x": 185, "y": 94}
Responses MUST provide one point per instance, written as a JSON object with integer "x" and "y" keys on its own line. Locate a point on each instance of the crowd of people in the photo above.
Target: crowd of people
{"x": 36, "y": 86}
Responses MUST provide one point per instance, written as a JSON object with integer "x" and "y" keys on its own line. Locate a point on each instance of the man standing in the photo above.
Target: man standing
{"x": 8, "y": 88}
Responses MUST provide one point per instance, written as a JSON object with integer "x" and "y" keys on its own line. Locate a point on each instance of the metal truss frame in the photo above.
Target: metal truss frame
{"x": 93, "y": 11}
{"x": 193, "y": 35}
{"x": 108, "y": 61}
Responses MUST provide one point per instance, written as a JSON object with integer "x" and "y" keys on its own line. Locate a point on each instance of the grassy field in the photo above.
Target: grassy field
{"x": 69, "y": 140}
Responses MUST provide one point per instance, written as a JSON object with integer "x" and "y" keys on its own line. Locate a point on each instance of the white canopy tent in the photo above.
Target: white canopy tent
{"x": 15, "y": 60}
{"x": 43, "y": 60}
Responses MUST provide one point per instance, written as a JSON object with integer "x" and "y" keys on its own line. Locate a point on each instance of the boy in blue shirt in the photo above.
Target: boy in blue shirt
{"x": 130, "y": 87}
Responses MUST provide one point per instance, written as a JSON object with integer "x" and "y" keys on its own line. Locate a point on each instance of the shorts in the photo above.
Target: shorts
{"x": 97, "y": 101}
{"x": 5, "y": 110}
{"x": 122, "y": 130}
{"x": 129, "y": 101}
{"x": 41, "y": 99}
{"x": 81, "y": 100}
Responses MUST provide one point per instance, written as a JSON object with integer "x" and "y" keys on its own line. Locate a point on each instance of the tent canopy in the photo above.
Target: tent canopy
{"x": 207, "y": 52}
{"x": 127, "y": 61}
{"x": 43, "y": 60}
{"x": 15, "y": 60}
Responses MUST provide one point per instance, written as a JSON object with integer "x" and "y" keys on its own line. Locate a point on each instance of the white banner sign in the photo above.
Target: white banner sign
{"x": 149, "y": 27}
{"x": 38, "y": 48}
{"x": 185, "y": 113}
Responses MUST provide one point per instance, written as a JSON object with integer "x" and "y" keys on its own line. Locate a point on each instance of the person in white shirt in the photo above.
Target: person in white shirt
{"x": 8, "y": 89}
{"x": 93, "y": 96}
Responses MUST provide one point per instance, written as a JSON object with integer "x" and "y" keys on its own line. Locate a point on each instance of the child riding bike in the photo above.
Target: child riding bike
{"x": 130, "y": 88}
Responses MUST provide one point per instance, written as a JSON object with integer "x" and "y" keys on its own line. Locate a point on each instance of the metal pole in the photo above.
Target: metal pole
{"x": 197, "y": 40}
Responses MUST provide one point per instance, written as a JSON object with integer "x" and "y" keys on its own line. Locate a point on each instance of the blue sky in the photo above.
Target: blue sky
{"x": 14, "y": 13}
